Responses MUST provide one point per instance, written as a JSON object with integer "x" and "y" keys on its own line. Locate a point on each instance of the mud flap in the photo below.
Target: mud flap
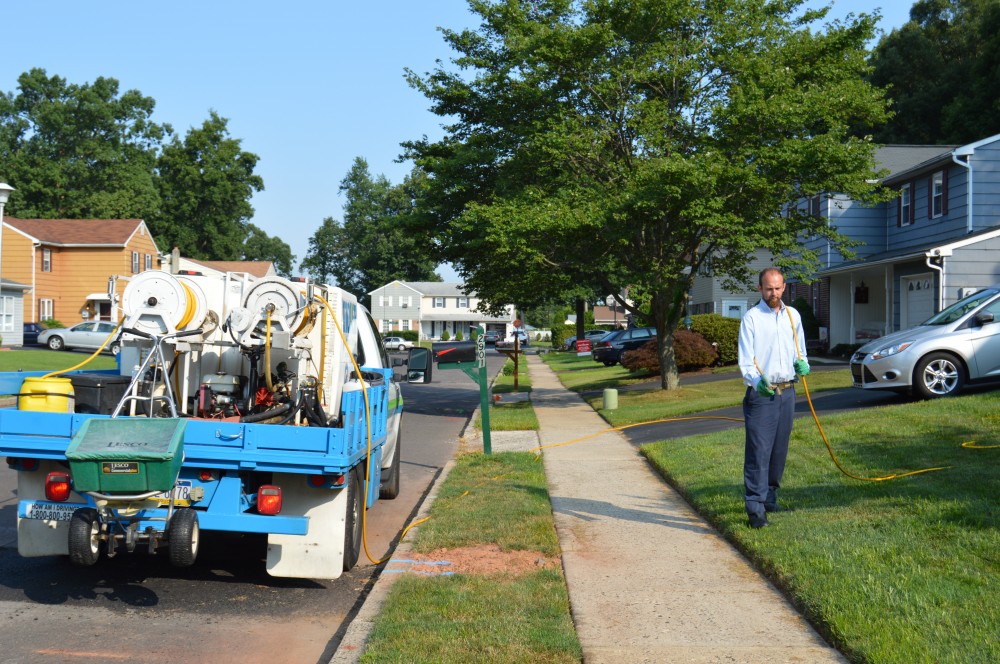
{"x": 319, "y": 554}
{"x": 42, "y": 537}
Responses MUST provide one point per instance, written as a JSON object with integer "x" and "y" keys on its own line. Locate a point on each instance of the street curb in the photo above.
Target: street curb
{"x": 352, "y": 646}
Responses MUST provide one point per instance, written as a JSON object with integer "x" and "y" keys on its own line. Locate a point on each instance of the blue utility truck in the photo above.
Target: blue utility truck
{"x": 240, "y": 404}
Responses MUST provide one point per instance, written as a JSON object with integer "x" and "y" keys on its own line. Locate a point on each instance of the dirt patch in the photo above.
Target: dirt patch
{"x": 481, "y": 559}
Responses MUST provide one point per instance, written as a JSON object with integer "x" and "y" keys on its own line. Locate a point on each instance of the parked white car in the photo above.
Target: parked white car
{"x": 397, "y": 343}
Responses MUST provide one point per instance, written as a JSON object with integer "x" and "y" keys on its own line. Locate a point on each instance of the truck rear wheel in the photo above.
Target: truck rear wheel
{"x": 183, "y": 537}
{"x": 355, "y": 518}
{"x": 84, "y": 537}
{"x": 390, "y": 478}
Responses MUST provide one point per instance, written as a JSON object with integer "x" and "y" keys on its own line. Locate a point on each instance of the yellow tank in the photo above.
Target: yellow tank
{"x": 52, "y": 395}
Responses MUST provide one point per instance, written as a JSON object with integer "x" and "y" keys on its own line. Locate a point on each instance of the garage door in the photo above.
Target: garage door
{"x": 918, "y": 299}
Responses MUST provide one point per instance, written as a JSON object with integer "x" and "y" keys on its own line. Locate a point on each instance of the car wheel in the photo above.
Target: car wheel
{"x": 389, "y": 488}
{"x": 401, "y": 348}
{"x": 115, "y": 348}
{"x": 355, "y": 518}
{"x": 56, "y": 343}
{"x": 938, "y": 375}
{"x": 609, "y": 364}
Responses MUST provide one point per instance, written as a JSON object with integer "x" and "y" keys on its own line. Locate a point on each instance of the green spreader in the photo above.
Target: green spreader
{"x": 127, "y": 455}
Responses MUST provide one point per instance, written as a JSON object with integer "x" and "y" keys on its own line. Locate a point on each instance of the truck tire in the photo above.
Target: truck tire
{"x": 355, "y": 518}
{"x": 389, "y": 488}
{"x": 84, "y": 537}
{"x": 183, "y": 537}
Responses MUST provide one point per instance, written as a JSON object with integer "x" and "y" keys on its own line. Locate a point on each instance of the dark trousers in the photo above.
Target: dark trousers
{"x": 768, "y": 422}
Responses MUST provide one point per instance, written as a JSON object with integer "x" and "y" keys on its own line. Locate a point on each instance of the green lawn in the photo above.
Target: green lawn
{"x": 500, "y": 499}
{"x": 49, "y": 360}
{"x": 509, "y": 415}
{"x": 903, "y": 571}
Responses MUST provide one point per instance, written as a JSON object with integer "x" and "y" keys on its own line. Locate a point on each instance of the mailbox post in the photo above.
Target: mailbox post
{"x": 470, "y": 357}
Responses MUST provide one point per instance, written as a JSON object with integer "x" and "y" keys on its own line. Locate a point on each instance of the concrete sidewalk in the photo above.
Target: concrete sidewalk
{"x": 649, "y": 580}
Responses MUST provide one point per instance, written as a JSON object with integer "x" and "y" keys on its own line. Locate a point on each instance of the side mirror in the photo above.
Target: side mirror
{"x": 982, "y": 319}
{"x": 419, "y": 366}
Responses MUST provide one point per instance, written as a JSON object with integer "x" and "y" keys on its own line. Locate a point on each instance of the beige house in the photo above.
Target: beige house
{"x": 65, "y": 264}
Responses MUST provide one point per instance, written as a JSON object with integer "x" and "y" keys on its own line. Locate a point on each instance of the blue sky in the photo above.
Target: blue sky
{"x": 307, "y": 85}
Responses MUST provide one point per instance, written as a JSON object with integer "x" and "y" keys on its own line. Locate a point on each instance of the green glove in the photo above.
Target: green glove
{"x": 764, "y": 387}
{"x": 801, "y": 367}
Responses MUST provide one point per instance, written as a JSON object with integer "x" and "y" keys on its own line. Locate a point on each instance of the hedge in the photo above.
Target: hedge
{"x": 722, "y": 331}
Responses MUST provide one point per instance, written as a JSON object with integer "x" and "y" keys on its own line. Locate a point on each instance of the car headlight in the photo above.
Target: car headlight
{"x": 889, "y": 351}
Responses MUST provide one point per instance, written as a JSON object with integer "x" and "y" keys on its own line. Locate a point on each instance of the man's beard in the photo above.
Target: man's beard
{"x": 773, "y": 302}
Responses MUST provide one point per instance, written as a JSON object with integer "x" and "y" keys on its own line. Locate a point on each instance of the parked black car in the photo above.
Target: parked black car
{"x": 31, "y": 332}
{"x": 608, "y": 349}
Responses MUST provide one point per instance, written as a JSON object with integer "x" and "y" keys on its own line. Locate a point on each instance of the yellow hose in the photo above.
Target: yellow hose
{"x": 368, "y": 422}
{"x": 267, "y": 354}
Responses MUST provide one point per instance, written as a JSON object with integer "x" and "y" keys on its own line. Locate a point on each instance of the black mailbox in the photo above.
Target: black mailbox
{"x": 454, "y": 352}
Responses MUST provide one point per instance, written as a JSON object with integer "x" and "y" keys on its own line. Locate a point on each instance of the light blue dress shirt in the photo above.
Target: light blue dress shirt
{"x": 766, "y": 335}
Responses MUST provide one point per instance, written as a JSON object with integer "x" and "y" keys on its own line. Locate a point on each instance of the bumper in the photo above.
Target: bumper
{"x": 885, "y": 374}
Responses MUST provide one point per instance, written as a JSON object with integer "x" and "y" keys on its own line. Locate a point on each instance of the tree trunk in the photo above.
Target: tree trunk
{"x": 666, "y": 315}
{"x": 580, "y": 311}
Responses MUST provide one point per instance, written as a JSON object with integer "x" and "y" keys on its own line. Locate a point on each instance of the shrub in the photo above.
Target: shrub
{"x": 52, "y": 323}
{"x": 560, "y": 333}
{"x": 844, "y": 350}
{"x": 508, "y": 368}
{"x": 446, "y": 336}
{"x": 459, "y": 336}
{"x": 691, "y": 351}
{"x": 722, "y": 331}
{"x": 810, "y": 324}
{"x": 409, "y": 335}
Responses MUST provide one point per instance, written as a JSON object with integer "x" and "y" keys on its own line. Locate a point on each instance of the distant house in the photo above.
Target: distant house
{"x": 709, "y": 296}
{"x": 258, "y": 269}
{"x": 431, "y": 307}
{"x": 65, "y": 263}
{"x": 12, "y": 312}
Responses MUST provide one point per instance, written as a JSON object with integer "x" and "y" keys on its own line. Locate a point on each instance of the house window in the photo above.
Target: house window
{"x": 439, "y": 303}
{"x": 135, "y": 262}
{"x": 386, "y": 326}
{"x": 149, "y": 262}
{"x": 816, "y": 206}
{"x": 46, "y": 260}
{"x": 45, "y": 309}
{"x": 905, "y": 205}
{"x": 405, "y": 326}
{"x": 388, "y": 300}
{"x": 463, "y": 303}
{"x": 7, "y": 313}
{"x": 937, "y": 191}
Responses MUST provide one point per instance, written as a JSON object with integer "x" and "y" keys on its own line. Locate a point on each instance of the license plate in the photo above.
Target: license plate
{"x": 182, "y": 494}
{"x": 36, "y": 509}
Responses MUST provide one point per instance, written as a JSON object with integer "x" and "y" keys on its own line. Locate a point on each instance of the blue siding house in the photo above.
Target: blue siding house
{"x": 936, "y": 242}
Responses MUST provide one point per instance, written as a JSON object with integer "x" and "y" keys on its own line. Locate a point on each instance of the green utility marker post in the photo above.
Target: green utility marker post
{"x": 476, "y": 370}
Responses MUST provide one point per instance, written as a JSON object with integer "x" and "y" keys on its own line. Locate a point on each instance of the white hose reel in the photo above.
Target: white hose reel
{"x": 273, "y": 297}
{"x": 160, "y": 303}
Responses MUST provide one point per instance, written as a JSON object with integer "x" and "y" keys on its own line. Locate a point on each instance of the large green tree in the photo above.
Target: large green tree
{"x": 373, "y": 246}
{"x": 78, "y": 151}
{"x": 205, "y": 183}
{"x": 942, "y": 71}
{"x": 259, "y": 246}
{"x": 634, "y": 140}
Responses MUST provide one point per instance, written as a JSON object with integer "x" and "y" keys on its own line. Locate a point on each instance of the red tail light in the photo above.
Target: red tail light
{"x": 206, "y": 476}
{"x": 57, "y": 486}
{"x": 269, "y": 499}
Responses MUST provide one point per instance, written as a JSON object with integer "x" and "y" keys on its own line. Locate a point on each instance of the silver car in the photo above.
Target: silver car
{"x": 958, "y": 346}
{"x": 88, "y": 335}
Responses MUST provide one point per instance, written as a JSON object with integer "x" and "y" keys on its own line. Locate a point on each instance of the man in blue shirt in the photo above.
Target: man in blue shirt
{"x": 772, "y": 356}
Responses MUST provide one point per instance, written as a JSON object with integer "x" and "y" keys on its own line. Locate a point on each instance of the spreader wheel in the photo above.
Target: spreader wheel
{"x": 183, "y": 537}
{"x": 84, "y": 537}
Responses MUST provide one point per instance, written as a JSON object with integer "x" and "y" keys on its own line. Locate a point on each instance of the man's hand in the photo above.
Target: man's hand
{"x": 764, "y": 388}
{"x": 801, "y": 367}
